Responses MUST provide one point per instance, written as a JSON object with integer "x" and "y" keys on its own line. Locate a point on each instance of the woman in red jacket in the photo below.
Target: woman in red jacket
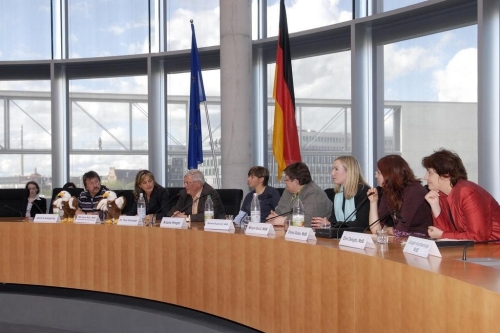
{"x": 461, "y": 209}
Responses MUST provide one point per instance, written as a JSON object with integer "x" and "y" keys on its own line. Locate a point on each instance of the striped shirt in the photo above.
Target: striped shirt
{"x": 89, "y": 204}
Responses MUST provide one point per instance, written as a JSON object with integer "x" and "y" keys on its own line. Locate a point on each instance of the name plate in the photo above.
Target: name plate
{"x": 260, "y": 229}
{"x": 421, "y": 247}
{"x": 300, "y": 233}
{"x": 224, "y": 225}
{"x": 87, "y": 219}
{"x": 356, "y": 240}
{"x": 173, "y": 223}
{"x": 47, "y": 218}
{"x": 132, "y": 221}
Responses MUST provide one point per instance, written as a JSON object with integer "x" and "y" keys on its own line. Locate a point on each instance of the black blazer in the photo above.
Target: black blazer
{"x": 156, "y": 202}
{"x": 39, "y": 206}
{"x": 185, "y": 202}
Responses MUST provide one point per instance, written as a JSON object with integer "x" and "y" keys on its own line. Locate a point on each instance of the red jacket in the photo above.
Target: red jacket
{"x": 475, "y": 214}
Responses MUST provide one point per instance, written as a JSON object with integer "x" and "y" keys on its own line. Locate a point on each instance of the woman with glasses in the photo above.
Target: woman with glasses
{"x": 402, "y": 210}
{"x": 461, "y": 209}
{"x": 350, "y": 204}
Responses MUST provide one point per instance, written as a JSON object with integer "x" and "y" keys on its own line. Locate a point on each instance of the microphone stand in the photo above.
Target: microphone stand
{"x": 284, "y": 214}
{"x": 191, "y": 203}
{"x": 464, "y": 252}
{"x": 14, "y": 210}
{"x": 352, "y": 213}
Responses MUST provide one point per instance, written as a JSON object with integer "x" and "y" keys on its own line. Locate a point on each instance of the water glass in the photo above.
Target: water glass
{"x": 246, "y": 220}
{"x": 382, "y": 236}
{"x": 287, "y": 222}
{"x": 152, "y": 220}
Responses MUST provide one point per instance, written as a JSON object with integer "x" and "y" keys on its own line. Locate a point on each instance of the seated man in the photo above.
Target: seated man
{"x": 192, "y": 198}
{"x": 298, "y": 182}
{"x": 88, "y": 199}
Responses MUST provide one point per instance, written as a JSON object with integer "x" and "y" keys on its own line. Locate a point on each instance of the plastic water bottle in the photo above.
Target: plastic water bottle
{"x": 141, "y": 208}
{"x": 298, "y": 213}
{"x": 209, "y": 209}
{"x": 255, "y": 209}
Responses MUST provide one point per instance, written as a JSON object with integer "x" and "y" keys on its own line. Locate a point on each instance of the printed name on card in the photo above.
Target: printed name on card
{"x": 132, "y": 221}
{"x": 260, "y": 229}
{"x": 421, "y": 247}
{"x": 47, "y": 218}
{"x": 87, "y": 218}
{"x": 173, "y": 223}
{"x": 300, "y": 234}
{"x": 356, "y": 240}
{"x": 219, "y": 225}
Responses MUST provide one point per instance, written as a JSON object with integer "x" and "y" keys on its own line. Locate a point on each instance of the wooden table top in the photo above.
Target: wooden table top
{"x": 273, "y": 285}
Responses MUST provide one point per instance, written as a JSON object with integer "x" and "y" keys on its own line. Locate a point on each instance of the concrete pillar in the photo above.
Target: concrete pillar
{"x": 236, "y": 91}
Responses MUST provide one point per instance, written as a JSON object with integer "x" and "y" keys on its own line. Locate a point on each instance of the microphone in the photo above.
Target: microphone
{"x": 166, "y": 203}
{"x": 13, "y": 210}
{"x": 38, "y": 207}
{"x": 464, "y": 252}
{"x": 191, "y": 203}
{"x": 383, "y": 217}
{"x": 284, "y": 214}
{"x": 353, "y": 212}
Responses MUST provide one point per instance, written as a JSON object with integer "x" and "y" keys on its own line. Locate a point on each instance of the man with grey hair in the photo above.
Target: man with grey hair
{"x": 192, "y": 198}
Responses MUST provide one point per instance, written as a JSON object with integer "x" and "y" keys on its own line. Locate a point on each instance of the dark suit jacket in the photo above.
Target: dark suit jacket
{"x": 156, "y": 202}
{"x": 185, "y": 202}
{"x": 39, "y": 206}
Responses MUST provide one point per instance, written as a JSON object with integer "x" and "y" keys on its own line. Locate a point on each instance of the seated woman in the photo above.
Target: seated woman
{"x": 69, "y": 185}
{"x": 154, "y": 194}
{"x": 403, "y": 200}
{"x": 350, "y": 194}
{"x": 299, "y": 184}
{"x": 269, "y": 197}
{"x": 461, "y": 209}
{"x": 34, "y": 204}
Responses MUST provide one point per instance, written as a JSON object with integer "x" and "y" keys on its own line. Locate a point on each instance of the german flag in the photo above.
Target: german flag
{"x": 286, "y": 147}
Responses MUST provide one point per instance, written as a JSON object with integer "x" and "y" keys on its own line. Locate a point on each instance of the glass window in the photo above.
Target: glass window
{"x": 109, "y": 126}
{"x": 206, "y": 19}
{"x": 108, "y": 28}
{"x": 178, "y": 87}
{"x": 306, "y": 14}
{"x": 25, "y": 127}
{"x": 322, "y": 87}
{"x": 432, "y": 80}
{"x": 395, "y": 4}
{"x": 25, "y": 30}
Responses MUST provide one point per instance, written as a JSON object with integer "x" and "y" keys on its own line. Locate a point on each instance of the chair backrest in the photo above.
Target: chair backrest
{"x": 329, "y": 193}
{"x": 129, "y": 196}
{"x": 12, "y": 202}
{"x": 231, "y": 200}
{"x": 172, "y": 192}
{"x": 75, "y": 192}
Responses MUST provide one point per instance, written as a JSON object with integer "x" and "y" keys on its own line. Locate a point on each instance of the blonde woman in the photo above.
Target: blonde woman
{"x": 350, "y": 193}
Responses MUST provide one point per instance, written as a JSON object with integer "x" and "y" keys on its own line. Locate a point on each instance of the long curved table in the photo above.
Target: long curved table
{"x": 272, "y": 285}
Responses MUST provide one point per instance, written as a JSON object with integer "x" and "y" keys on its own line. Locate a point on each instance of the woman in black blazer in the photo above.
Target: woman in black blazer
{"x": 34, "y": 204}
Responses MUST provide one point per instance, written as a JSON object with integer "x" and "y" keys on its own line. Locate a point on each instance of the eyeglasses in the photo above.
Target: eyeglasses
{"x": 189, "y": 183}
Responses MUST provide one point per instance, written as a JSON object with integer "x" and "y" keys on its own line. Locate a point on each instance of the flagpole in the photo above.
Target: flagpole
{"x": 217, "y": 179}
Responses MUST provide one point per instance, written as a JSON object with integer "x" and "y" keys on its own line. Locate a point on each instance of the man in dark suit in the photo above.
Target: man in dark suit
{"x": 193, "y": 197}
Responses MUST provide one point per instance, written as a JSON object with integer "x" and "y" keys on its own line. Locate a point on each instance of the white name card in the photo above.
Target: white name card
{"x": 260, "y": 229}
{"x": 300, "y": 233}
{"x": 87, "y": 219}
{"x": 173, "y": 223}
{"x": 223, "y": 225}
{"x": 46, "y": 218}
{"x": 356, "y": 240}
{"x": 421, "y": 247}
{"x": 132, "y": 221}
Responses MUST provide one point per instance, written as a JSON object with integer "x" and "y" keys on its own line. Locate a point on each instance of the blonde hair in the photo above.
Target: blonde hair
{"x": 354, "y": 176}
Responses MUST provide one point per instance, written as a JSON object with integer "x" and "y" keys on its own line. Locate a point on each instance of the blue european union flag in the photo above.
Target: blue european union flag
{"x": 197, "y": 95}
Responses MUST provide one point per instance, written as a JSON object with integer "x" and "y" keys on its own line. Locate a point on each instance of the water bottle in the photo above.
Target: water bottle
{"x": 255, "y": 209}
{"x": 298, "y": 213}
{"x": 209, "y": 209}
{"x": 141, "y": 208}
